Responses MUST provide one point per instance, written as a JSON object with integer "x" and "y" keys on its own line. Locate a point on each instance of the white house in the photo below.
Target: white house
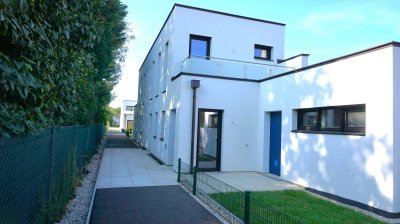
{"x": 127, "y": 114}
{"x": 217, "y": 91}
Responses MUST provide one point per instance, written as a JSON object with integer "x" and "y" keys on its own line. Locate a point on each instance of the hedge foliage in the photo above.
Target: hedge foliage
{"x": 59, "y": 61}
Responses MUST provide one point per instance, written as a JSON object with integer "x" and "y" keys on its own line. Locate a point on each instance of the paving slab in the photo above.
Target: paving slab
{"x": 130, "y": 167}
{"x": 254, "y": 181}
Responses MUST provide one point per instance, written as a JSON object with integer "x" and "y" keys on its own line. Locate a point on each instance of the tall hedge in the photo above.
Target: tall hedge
{"x": 59, "y": 60}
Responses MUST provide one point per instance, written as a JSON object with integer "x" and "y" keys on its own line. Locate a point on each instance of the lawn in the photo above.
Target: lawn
{"x": 297, "y": 204}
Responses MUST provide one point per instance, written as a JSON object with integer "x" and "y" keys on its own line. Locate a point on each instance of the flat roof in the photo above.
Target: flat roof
{"x": 357, "y": 53}
{"x": 205, "y": 10}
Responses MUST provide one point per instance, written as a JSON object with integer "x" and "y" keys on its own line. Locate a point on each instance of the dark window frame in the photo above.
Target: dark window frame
{"x": 131, "y": 108}
{"x": 343, "y": 129}
{"x": 202, "y": 38}
{"x": 263, "y": 47}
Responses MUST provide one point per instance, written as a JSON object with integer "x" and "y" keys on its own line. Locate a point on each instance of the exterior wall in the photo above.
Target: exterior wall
{"x": 126, "y": 115}
{"x": 396, "y": 127}
{"x": 231, "y": 38}
{"x": 354, "y": 167}
{"x": 154, "y": 83}
{"x": 239, "y": 137}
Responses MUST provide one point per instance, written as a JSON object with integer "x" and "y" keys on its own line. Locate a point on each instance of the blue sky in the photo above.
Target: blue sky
{"x": 324, "y": 29}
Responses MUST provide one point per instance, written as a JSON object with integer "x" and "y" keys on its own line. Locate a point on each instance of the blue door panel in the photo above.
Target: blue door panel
{"x": 275, "y": 143}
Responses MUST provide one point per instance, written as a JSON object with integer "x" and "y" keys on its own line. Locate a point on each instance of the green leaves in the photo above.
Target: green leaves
{"x": 51, "y": 70}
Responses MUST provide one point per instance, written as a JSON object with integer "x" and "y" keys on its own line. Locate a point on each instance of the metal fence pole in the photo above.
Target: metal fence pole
{"x": 194, "y": 180}
{"x": 51, "y": 152}
{"x": 247, "y": 207}
{"x": 87, "y": 142}
{"x": 179, "y": 170}
{"x": 76, "y": 144}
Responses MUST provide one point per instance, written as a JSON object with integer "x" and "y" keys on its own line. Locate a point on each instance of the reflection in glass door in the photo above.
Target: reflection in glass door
{"x": 209, "y": 139}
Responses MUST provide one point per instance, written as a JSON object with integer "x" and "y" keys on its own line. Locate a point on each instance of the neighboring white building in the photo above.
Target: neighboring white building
{"x": 127, "y": 114}
{"x": 329, "y": 127}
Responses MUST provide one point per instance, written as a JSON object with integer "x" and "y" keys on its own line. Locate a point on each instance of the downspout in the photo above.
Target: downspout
{"x": 194, "y": 84}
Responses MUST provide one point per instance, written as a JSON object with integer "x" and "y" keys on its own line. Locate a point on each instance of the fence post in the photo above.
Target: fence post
{"x": 247, "y": 207}
{"x": 179, "y": 170}
{"x": 51, "y": 152}
{"x": 88, "y": 142}
{"x": 194, "y": 180}
{"x": 76, "y": 141}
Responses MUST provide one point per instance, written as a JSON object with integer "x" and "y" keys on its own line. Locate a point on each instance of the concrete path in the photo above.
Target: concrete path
{"x": 134, "y": 188}
{"x": 254, "y": 181}
{"x": 132, "y": 167}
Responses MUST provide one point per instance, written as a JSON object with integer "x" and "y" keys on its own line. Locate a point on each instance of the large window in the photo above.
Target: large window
{"x": 129, "y": 108}
{"x": 340, "y": 119}
{"x": 262, "y": 52}
{"x": 199, "y": 46}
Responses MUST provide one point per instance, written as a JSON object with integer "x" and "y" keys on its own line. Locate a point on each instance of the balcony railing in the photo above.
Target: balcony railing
{"x": 231, "y": 68}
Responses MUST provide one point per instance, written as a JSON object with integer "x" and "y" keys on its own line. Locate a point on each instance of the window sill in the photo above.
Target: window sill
{"x": 263, "y": 59}
{"x": 329, "y": 132}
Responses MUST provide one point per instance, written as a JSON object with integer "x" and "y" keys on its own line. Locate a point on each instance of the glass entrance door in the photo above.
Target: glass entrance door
{"x": 209, "y": 139}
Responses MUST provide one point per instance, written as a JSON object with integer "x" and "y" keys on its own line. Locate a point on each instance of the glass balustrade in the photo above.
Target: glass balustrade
{"x": 231, "y": 68}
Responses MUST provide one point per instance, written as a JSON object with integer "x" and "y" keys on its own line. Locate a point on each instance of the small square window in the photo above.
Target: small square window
{"x": 308, "y": 119}
{"x": 199, "y": 46}
{"x": 355, "y": 119}
{"x": 330, "y": 118}
{"x": 262, "y": 52}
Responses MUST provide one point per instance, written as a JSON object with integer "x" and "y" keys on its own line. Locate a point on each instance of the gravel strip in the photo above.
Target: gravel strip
{"x": 77, "y": 209}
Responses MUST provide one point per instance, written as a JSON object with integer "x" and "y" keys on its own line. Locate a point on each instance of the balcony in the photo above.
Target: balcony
{"x": 230, "y": 68}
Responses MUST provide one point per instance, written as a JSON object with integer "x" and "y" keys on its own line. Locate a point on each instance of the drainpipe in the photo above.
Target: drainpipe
{"x": 194, "y": 84}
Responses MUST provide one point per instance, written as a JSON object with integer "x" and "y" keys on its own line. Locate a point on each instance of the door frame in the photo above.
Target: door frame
{"x": 219, "y": 135}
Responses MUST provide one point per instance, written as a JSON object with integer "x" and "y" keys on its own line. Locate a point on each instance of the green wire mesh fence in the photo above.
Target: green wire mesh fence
{"x": 38, "y": 173}
{"x": 234, "y": 205}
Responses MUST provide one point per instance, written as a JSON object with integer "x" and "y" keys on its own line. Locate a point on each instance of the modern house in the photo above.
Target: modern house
{"x": 126, "y": 117}
{"x": 217, "y": 91}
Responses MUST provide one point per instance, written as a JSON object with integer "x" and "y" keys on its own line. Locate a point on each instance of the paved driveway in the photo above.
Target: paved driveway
{"x": 153, "y": 205}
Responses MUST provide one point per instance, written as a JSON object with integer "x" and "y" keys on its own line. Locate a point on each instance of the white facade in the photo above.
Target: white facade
{"x": 362, "y": 167}
{"x": 127, "y": 113}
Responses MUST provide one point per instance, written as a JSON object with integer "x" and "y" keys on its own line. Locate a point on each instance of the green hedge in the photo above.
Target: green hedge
{"x": 59, "y": 61}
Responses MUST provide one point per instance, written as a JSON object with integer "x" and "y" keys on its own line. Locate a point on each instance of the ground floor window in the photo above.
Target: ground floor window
{"x": 340, "y": 119}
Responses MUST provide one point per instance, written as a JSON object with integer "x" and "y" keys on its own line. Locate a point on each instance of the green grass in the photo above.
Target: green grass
{"x": 297, "y": 204}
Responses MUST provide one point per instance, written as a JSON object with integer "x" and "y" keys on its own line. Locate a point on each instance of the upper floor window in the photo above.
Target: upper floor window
{"x": 262, "y": 52}
{"x": 345, "y": 119}
{"x": 129, "y": 108}
{"x": 199, "y": 46}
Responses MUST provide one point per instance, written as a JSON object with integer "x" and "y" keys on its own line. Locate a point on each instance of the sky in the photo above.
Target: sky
{"x": 324, "y": 29}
